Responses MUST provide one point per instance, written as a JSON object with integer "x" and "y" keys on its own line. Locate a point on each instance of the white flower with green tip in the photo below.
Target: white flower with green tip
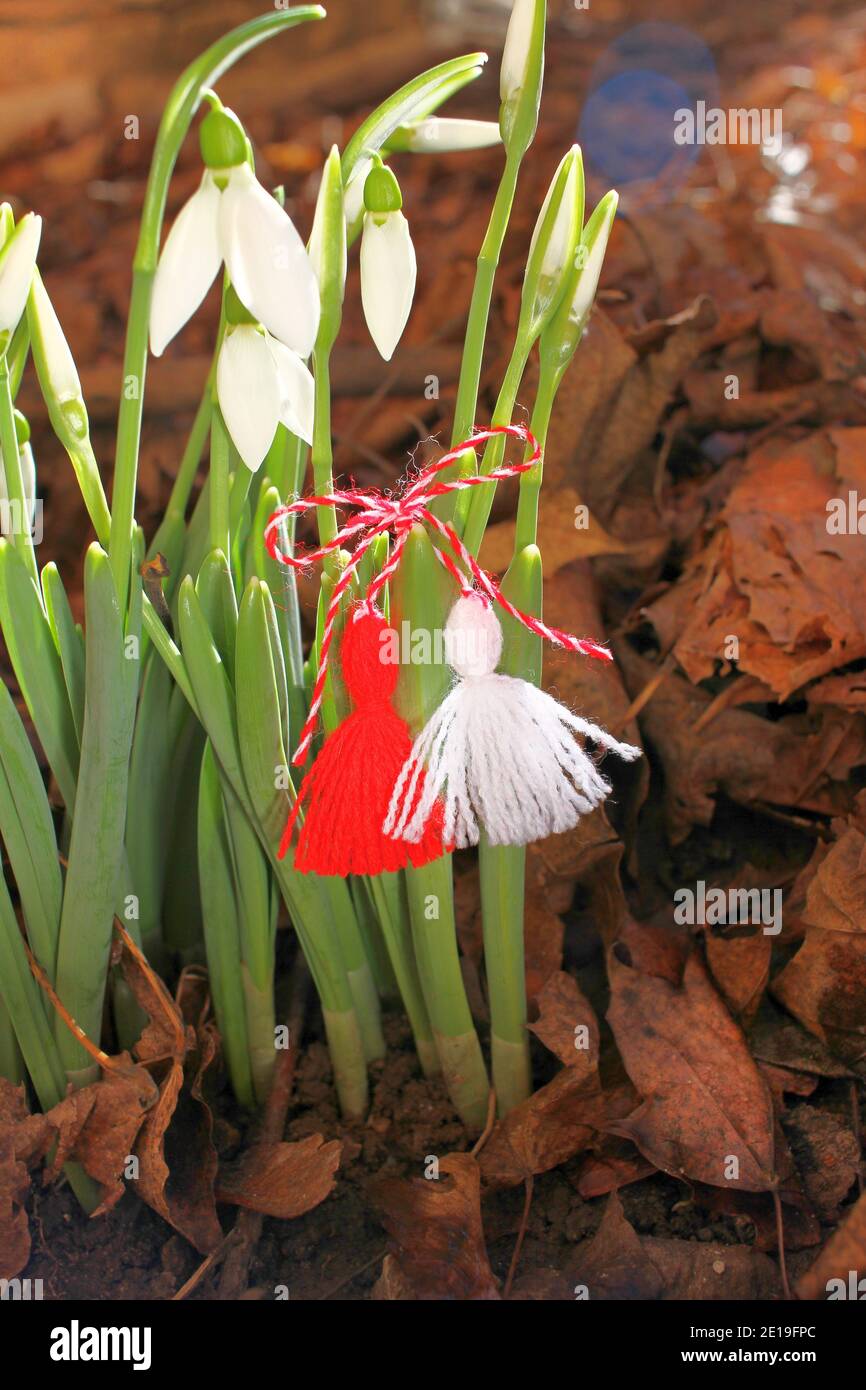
{"x": 231, "y": 219}
{"x": 388, "y": 265}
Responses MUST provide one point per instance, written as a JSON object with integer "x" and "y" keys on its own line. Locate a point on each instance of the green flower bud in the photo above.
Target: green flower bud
{"x": 563, "y": 332}
{"x": 222, "y": 139}
{"x": 382, "y": 191}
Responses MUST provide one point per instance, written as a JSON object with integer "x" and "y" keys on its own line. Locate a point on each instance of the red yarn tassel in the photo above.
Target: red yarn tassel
{"x": 346, "y": 793}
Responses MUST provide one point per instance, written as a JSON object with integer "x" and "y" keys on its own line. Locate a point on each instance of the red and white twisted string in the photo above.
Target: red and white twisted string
{"x": 376, "y": 513}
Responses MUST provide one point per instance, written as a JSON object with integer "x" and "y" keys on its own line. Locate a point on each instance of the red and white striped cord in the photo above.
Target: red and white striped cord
{"x": 376, "y": 513}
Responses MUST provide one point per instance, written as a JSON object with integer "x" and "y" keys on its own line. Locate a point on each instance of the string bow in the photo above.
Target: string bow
{"x": 374, "y": 513}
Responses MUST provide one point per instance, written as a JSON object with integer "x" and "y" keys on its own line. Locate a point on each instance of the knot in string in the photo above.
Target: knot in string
{"x": 374, "y": 513}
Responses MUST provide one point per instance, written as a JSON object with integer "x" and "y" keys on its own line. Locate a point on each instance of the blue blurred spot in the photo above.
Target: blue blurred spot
{"x": 627, "y": 127}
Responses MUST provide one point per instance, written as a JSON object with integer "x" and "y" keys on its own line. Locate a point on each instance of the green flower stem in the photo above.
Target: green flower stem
{"x": 17, "y": 353}
{"x": 86, "y": 469}
{"x": 359, "y": 971}
{"x": 502, "y": 873}
{"x": 354, "y": 955}
{"x": 374, "y": 941}
{"x": 396, "y": 931}
{"x": 22, "y": 538}
{"x": 182, "y": 105}
{"x": 129, "y": 424}
{"x": 482, "y": 293}
{"x": 323, "y": 454}
{"x": 218, "y": 500}
{"x": 288, "y": 475}
{"x": 476, "y": 503}
{"x": 430, "y": 891}
{"x": 238, "y": 493}
{"x": 317, "y": 933}
{"x": 182, "y": 486}
{"x": 421, "y": 594}
{"x": 503, "y": 867}
{"x": 530, "y": 483}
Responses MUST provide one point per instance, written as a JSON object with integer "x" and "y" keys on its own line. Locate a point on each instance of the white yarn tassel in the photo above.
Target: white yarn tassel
{"x": 501, "y": 752}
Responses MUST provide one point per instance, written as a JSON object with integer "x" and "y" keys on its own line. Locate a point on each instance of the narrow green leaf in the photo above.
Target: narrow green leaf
{"x": 23, "y": 1000}
{"x": 27, "y": 828}
{"x": 416, "y": 99}
{"x": 211, "y": 684}
{"x": 68, "y": 639}
{"x": 221, "y": 933}
{"x": 96, "y": 844}
{"x": 38, "y": 669}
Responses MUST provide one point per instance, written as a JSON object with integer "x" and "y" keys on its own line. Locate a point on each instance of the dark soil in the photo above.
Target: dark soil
{"x": 336, "y": 1250}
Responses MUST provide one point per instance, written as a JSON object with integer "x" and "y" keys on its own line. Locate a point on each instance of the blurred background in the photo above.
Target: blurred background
{"x": 719, "y": 222}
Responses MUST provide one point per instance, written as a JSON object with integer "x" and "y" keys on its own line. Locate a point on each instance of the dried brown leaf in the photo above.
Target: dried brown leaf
{"x": 437, "y": 1237}
{"x": 707, "y": 1112}
{"x": 283, "y": 1179}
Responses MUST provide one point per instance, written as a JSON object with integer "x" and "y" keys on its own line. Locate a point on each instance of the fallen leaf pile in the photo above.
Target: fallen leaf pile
{"x": 147, "y": 1119}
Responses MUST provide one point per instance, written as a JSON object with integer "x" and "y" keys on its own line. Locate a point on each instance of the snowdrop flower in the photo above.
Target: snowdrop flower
{"x": 552, "y": 249}
{"x": 521, "y": 73}
{"x": 17, "y": 263}
{"x": 388, "y": 266}
{"x": 562, "y": 334}
{"x": 260, "y": 383}
{"x": 441, "y": 134}
{"x": 232, "y": 219}
{"x": 8, "y": 519}
{"x": 515, "y": 54}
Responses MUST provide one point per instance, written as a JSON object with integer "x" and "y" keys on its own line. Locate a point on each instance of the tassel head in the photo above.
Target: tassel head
{"x": 473, "y": 637}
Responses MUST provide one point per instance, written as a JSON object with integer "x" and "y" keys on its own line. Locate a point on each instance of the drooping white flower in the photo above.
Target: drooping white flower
{"x": 388, "y": 272}
{"x": 388, "y": 266}
{"x": 17, "y": 263}
{"x": 231, "y": 218}
{"x": 260, "y": 384}
{"x": 440, "y": 134}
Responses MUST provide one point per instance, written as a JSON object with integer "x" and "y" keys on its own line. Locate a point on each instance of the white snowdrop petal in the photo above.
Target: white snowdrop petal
{"x": 512, "y": 73}
{"x": 59, "y": 363}
{"x": 388, "y": 272}
{"x": 248, "y": 390}
{"x": 188, "y": 265}
{"x": 588, "y": 282}
{"x": 438, "y": 134}
{"x": 16, "y": 271}
{"x": 297, "y": 390}
{"x": 268, "y": 263}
